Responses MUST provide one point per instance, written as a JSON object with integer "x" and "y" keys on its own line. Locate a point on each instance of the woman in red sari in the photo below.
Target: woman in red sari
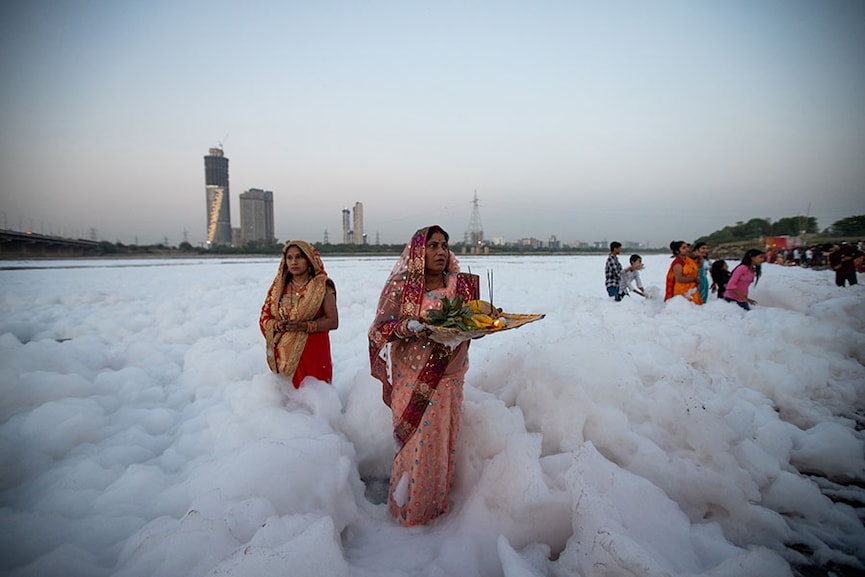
{"x": 683, "y": 277}
{"x": 298, "y": 312}
{"x": 422, "y": 380}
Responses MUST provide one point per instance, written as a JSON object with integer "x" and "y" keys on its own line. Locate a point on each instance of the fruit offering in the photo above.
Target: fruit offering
{"x": 475, "y": 314}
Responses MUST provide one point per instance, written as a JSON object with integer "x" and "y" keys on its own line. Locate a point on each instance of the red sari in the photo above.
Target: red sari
{"x": 315, "y": 359}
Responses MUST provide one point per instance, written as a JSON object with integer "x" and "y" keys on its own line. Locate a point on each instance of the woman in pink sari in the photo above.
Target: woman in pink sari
{"x": 422, "y": 380}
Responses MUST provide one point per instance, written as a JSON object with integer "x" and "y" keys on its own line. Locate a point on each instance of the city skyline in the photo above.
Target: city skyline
{"x": 579, "y": 120}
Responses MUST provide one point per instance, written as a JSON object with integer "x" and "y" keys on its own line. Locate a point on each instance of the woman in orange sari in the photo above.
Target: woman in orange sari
{"x": 422, "y": 380}
{"x": 683, "y": 277}
{"x": 298, "y": 312}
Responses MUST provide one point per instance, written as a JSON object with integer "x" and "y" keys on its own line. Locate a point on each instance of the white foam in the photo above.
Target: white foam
{"x": 142, "y": 434}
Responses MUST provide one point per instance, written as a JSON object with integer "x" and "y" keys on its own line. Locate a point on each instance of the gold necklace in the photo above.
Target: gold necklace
{"x": 297, "y": 290}
{"x": 294, "y": 296}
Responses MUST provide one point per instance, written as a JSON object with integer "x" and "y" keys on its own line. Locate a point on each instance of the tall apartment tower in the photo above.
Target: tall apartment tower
{"x": 358, "y": 224}
{"x": 256, "y": 216}
{"x": 216, "y": 185}
{"x": 346, "y": 226}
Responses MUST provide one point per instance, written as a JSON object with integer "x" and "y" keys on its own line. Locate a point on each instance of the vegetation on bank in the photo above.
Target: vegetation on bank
{"x": 732, "y": 241}
{"x": 760, "y": 227}
{"x": 851, "y": 227}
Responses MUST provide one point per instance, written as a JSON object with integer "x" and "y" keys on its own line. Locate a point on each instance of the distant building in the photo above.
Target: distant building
{"x": 346, "y": 226}
{"x": 358, "y": 235}
{"x": 353, "y": 235}
{"x": 216, "y": 187}
{"x": 256, "y": 216}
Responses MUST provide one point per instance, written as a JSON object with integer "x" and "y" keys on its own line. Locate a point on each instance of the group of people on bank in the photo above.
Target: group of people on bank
{"x": 688, "y": 275}
{"x": 820, "y": 256}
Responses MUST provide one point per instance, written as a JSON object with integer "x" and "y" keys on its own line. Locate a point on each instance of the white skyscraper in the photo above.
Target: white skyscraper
{"x": 358, "y": 224}
{"x": 346, "y": 226}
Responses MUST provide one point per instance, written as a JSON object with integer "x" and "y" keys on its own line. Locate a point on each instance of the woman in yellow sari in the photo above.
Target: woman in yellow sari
{"x": 298, "y": 312}
{"x": 683, "y": 277}
{"x": 422, "y": 380}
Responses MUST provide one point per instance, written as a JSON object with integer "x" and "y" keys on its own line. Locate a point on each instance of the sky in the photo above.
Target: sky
{"x": 141, "y": 432}
{"x": 586, "y": 121}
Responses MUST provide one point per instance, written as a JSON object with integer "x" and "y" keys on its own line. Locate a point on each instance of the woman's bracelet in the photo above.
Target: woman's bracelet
{"x": 402, "y": 331}
{"x": 311, "y": 326}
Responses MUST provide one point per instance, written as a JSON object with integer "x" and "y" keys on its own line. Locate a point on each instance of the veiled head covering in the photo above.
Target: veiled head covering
{"x": 411, "y": 269}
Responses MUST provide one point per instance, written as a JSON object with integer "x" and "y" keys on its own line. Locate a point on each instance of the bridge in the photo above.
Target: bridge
{"x": 15, "y": 244}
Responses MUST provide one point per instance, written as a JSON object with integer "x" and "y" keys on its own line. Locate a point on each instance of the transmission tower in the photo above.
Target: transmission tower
{"x": 475, "y": 235}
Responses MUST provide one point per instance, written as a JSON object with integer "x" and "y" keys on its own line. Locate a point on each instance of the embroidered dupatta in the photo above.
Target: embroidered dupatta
{"x": 291, "y": 343}
{"x": 400, "y": 302}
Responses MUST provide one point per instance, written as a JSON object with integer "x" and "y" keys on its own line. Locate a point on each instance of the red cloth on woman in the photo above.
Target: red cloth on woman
{"x": 315, "y": 360}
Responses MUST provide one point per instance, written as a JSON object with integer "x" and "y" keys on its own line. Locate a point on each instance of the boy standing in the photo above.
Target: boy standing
{"x": 613, "y": 272}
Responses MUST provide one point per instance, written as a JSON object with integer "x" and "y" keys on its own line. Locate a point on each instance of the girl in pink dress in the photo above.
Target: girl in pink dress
{"x": 745, "y": 273}
{"x": 422, "y": 380}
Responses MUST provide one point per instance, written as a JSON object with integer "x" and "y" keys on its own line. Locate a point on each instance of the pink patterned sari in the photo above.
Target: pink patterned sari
{"x": 422, "y": 383}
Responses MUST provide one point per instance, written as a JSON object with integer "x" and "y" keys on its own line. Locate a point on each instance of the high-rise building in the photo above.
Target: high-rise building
{"x": 216, "y": 185}
{"x": 358, "y": 224}
{"x": 346, "y": 226}
{"x": 256, "y": 216}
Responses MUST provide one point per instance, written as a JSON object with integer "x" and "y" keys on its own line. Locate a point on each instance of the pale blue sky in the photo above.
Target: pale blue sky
{"x": 645, "y": 121}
